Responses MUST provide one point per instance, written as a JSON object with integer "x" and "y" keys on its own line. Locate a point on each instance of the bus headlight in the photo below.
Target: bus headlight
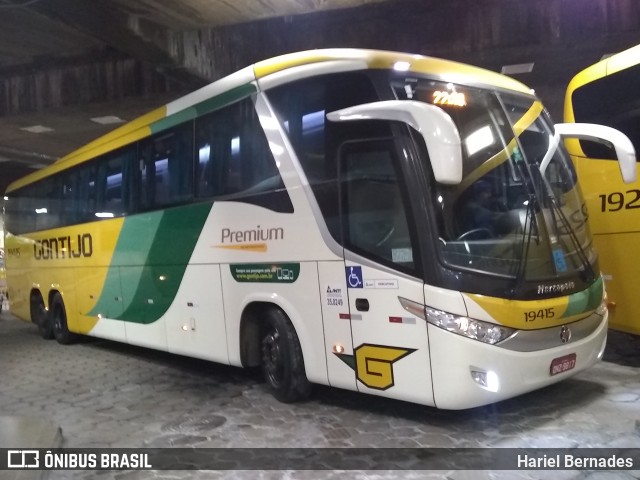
{"x": 469, "y": 327}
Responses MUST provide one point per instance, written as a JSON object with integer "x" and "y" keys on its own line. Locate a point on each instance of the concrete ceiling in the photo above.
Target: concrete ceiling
{"x": 194, "y": 14}
{"x": 65, "y": 62}
{"x": 39, "y": 36}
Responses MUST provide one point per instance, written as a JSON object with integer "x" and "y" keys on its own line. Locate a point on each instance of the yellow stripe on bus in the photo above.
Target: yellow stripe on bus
{"x": 499, "y": 158}
{"x": 90, "y": 267}
{"x": 131, "y": 132}
{"x": 284, "y": 62}
{"x": 513, "y": 313}
{"x": 378, "y": 59}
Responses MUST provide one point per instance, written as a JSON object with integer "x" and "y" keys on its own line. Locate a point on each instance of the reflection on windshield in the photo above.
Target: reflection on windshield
{"x": 518, "y": 211}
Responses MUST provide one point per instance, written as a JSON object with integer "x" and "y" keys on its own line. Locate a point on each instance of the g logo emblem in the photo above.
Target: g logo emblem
{"x": 373, "y": 364}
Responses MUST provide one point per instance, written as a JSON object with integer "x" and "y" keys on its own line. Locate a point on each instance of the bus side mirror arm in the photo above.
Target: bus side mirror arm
{"x": 435, "y": 125}
{"x": 602, "y": 134}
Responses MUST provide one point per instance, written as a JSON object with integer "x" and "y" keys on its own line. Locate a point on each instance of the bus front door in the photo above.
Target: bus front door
{"x": 390, "y": 348}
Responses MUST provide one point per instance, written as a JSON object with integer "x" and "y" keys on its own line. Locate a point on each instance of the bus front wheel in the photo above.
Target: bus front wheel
{"x": 282, "y": 362}
{"x": 59, "y": 321}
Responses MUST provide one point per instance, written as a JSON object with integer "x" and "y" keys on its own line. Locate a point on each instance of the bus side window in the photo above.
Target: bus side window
{"x": 110, "y": 188}
{"x": 610, "y": 101}
{"x": 69, "y": 180}
{"x": 113, "y": 184}
{"x": 301, "y": 108}
{"x": 375, "y": 217}
{"x": 48, "y": 195}
{"x": 234, "y": 160}
{"x": 165, "y": 168}
{"x": 20, "y": 214}
{"x": 86, "y": 195}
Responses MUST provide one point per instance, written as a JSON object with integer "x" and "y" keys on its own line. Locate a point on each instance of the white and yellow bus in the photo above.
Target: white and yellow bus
{"x": 388, "y": 223}
{"x": 607, "y": 93}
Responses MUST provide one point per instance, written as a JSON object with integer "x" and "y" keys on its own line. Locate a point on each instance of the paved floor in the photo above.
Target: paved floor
{"x": 104, "y": 394}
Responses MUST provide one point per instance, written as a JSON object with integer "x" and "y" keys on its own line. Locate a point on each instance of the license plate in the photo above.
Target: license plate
{"x": 562, "y": 364}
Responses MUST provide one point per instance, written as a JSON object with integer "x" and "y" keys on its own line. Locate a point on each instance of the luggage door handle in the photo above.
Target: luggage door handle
{"x": 362, "y": 304}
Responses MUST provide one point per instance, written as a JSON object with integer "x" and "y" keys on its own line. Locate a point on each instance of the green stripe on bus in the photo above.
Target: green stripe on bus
{"x": 204, "y": 107}
{"x": 160, "y": 277}
{"x": 173, "y": 120}
{"x": 134, "y": 242}
{"x": 586, "y": 300}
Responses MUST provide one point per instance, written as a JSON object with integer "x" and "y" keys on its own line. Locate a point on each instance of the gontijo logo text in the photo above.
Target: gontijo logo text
{"x": 63, "y": 247}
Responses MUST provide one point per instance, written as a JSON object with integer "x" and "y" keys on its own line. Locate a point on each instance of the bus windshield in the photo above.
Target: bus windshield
{"x": 518, "y": 211}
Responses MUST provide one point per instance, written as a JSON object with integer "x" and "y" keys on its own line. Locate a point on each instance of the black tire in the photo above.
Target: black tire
{"x": 40, "y": 317}
{"x": 282, "y": 362}
{"x": 58, "y": 320}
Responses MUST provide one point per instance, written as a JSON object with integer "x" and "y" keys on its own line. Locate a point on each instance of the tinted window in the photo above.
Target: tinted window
{"x": 19, "y": 214}
{"x": 98, "y": 189}
{"x": 301, "y": 108}
{"x": 84, "y": 194}
{"x": 166, "y": 168}
{"x": 610, "y": 101}
{"x": 375, "y": 217}
{"x": 113, "y": 183}
{"x": 234, "y": 159}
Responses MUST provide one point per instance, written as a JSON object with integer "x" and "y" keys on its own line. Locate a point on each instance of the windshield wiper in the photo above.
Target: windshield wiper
{"x": 530, "y": 224}
{"x": 554, "y": 142}
{"x": 582, "y": 255}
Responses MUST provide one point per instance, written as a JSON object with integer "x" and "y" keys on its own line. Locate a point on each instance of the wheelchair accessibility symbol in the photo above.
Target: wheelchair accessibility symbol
{"x": 354, "y": 277}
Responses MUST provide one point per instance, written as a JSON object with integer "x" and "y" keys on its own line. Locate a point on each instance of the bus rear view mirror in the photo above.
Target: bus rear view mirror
{"x": 434, "y": 124}
{"x": 609, "y": 136}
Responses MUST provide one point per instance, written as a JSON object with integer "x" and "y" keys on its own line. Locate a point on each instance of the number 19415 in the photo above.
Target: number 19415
{"x": 542, "y": 314}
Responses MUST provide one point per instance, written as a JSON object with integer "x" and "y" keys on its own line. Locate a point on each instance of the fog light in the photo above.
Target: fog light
{"x": 487, "y": 380}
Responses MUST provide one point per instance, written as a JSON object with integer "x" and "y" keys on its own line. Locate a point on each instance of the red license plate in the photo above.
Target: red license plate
{"x": 562, "y": 364}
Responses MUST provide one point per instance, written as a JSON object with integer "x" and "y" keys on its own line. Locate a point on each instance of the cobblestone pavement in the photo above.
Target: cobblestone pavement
{"x": 105, "y": 394}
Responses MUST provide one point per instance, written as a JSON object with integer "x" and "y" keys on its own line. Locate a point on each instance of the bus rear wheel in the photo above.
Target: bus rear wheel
{"x": 59, "y": 321}
{"x": 40, "y": 317}
{"x": 282, "y": 362}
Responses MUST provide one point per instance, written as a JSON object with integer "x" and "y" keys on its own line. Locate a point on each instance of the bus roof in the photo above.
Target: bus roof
{"x": 266, "y": 74}
{"x": 448, "y": 70}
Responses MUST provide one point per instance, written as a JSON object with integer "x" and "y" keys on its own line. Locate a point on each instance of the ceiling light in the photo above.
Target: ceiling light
{"x": 107, "y": 120}
{"x": 517, "y": 68}
{"x": 37, "y": 129}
